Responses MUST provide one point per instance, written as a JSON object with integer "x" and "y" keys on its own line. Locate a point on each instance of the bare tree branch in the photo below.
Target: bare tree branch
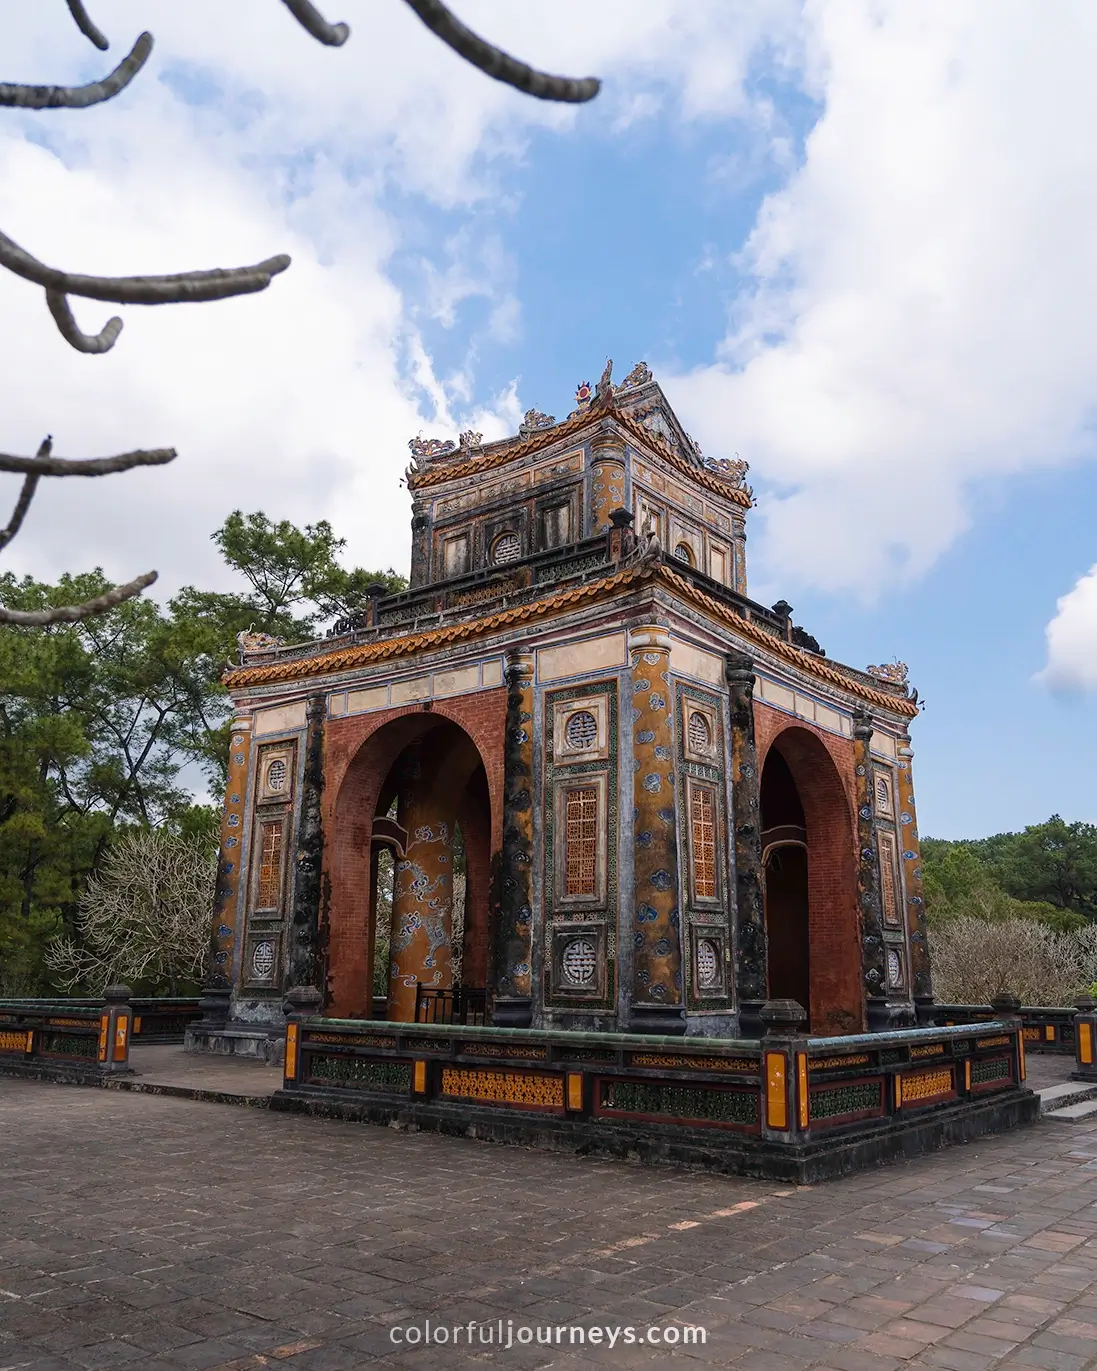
{"x": 72, "y": 614}
{"x": 26, "y": 495}
{"x": 493, "y": 62}
{"x": 85, "y": 25}
{"x": 80, "y": 97}
{"x": 185, "y": 287}
{"x": 102, "y": 341}
{"x": 309, "y": 17}
{"x": 91, "y": 466}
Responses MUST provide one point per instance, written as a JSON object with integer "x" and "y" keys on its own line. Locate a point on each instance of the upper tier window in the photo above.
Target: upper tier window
{"x": 684, "y": 553}
{"x": 506, "y": 548}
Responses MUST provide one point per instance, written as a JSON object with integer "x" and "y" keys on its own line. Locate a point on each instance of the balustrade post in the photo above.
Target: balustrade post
{"x": 786, "y": 1104}
{"x": 1085, "y": 1039}
{"x": 1007, "y": 1007}
{"x": 115, "y": 1025}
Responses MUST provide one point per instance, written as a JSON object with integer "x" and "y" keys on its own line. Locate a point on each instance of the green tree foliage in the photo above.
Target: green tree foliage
{"x": 1047, "y": 872}
{"x": 106, "y": 725}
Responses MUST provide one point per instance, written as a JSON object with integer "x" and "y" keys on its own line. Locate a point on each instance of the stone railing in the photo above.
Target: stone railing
{"x": 66, "y": 1037}
{"x": 786, "y": 1106}
{"x": 1046, "y": 1028}
{"x": 156, "y": 1019}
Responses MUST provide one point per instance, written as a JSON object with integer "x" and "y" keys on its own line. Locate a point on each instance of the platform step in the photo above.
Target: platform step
{"x": 1065, "y": 1093}
{"x": 1084, "y": 1111}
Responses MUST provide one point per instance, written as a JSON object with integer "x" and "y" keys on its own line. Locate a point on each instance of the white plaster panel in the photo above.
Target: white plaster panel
{"x": 883, "y": 744}
{"x": 360, "y": 700}
{"x": 578, "y": 659}
{"x": 687, "y": 660}
{"x": 457, "y": 682}
{"x": 775, "y": 694}
{"x": 491, "y": 673}
{"x": 281, "y": 718}
{"x": 828, "y": 718}
{"x": 805, "y": 706}
{"x": 337, "y": 704}
{"x": 405, "y": 692}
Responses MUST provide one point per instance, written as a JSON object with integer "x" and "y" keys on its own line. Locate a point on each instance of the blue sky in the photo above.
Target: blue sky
{"x": 853, "y": 238}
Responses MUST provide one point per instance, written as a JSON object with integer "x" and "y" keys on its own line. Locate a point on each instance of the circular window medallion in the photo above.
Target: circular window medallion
{"x": 708, "y": 964}
{"x": 581, "y": 731}
{"x": 895, "y": 968}
{"x": 506, "y": 548}
{"x": 579, "y": 961}
{"x": 700, "y": 736}
{"x": 262, "y": 960}
{"x": 276, "y": 775}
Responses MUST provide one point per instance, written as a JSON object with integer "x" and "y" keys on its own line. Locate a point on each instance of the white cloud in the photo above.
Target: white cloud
{"x": 1072, "y": 640}
{"x": 243, "y": 137}
{"x": 921, "y": 313}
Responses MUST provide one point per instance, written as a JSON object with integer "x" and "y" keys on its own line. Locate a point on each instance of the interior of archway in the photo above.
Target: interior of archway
{"x": 785, "y": 860}
{"x": 429, "y": 919}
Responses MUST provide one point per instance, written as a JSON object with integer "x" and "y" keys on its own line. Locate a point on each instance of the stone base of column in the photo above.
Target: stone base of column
{"x": 884, "y": 1017}
{"x": 215, "y": 1004}
{"x": 668, "y": 1021}
{"x": 512, "y": 1012}
{"x": 750, "y": 1019}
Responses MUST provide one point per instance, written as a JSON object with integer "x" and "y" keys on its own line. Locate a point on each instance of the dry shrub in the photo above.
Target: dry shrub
{"x": 974, "y": 959}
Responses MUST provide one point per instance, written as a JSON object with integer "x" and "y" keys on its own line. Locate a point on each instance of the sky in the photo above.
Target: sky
{"x": 856, "y": 240}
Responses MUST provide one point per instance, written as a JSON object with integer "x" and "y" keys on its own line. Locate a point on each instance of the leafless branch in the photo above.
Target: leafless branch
{"x": 102, "y": 341}
{"x": 493, "y": 62}
{"x": 72, "y": 614}
{"x": 80, "y": 97}
{"x": 310, "y": 18}
{"x": 26, "y": 495}
{"x": 185, "y": 287}
{"x": 85, "y": 25}
{"x": 91, "y": 466}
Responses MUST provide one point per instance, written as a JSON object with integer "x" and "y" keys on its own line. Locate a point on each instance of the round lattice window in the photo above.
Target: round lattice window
{"x": 276, "y": 775}
{"x": 506, "y": 548}
{"x": 895, "y": 968}
{"x": 579, "y": 961}
{"x": 684, "y": 553}
{"x": 262, "y": 960}
{"x": 708, "y": 964}
{"x": 581, "y": 731}
{"x": 700, "y": 736}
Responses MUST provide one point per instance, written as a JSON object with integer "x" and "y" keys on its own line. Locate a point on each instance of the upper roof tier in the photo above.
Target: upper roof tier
{"x": 480, "y": 504}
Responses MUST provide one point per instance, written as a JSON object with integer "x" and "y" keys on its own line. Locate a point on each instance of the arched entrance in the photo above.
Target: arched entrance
{"x": 411, "y": 787}
{"x": 810, "y": 884}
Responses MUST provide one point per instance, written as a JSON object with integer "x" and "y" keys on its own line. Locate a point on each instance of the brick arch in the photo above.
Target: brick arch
{"x": 824, "y": 783}
{"x": 360, "y": 753}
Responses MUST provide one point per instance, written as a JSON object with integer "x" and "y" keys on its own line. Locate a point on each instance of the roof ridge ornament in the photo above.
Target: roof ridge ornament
{"x": 534, "y": 419}
{"x": 425, "y": 450}
{"x": 640, "y": 375}
{"x": 896, "y": 672}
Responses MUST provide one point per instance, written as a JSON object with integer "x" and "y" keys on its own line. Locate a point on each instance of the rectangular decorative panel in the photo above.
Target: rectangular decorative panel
{"x": 889, "y": 878}
{"x": 703, "y": 831}
{"x": 580, "y": 840}
{"x": 269, "y": 894}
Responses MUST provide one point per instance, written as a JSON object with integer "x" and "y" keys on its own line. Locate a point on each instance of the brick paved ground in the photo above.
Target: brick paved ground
{"x": 152, "y": 1232}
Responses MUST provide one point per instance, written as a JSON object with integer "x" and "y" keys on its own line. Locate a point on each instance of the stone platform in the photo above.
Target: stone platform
{"x": 170, "y": 1234}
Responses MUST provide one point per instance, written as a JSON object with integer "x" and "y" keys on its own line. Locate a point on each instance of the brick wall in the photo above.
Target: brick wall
{"x": 359, "y": 753}
{"x": 822, "y": 767}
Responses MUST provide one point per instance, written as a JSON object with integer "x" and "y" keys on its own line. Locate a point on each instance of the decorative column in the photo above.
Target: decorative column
{"x": 607, "y": 473}
{"x": 420, "y": 543}
{"x": 921, "y": 979}
{"x": 421, "y": 949}
{"x": 217, "y": 986}
{"x": 303, "y": 961}
{"x": 657, "y": 991}
{"x": 873, "y": 954}
{"x": 746, "y": 818}
{"x": 513, "y": 1006}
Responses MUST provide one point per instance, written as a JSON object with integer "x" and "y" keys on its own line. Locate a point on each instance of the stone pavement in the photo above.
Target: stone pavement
{"x": 159, "y": 1233}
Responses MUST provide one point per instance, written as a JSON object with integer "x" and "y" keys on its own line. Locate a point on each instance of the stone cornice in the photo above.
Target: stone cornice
{"x": 559, "y": 602}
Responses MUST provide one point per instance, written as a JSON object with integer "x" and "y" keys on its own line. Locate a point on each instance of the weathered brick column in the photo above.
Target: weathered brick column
{"x": 217, "y": 986}
{"x": 422, "y": 901}
{"x": 657, "y": 991}
{"x": 303, "y": 960}
{"x": 746, "y": 819}
{"x": 513, "y": 1006}
{"x": 873, "y": 954}
{"x": 921, "y": 978}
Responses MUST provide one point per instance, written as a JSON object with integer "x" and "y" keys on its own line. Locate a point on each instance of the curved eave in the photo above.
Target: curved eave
{"x": 391, "y": 649}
